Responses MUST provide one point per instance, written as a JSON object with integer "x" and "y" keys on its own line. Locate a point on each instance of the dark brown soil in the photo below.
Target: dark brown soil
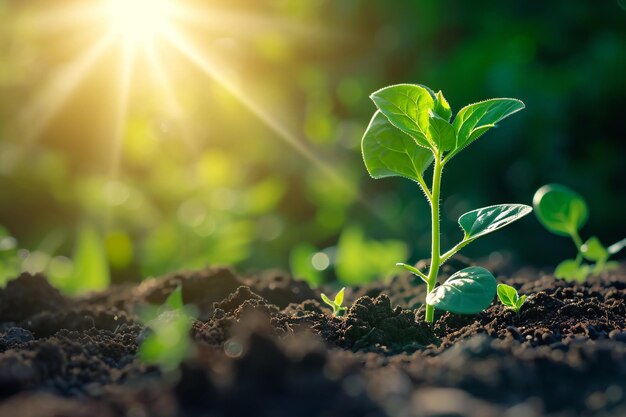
{"x": 264, "y": 346}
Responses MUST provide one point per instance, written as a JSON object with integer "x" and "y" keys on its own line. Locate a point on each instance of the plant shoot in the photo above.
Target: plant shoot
{"x": 412, "y": 130}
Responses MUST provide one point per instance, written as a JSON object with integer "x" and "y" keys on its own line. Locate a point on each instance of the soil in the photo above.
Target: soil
{"x": 264, "y": 346}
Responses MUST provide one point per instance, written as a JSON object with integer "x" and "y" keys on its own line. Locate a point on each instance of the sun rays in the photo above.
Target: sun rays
{"x": 137, "y": 30}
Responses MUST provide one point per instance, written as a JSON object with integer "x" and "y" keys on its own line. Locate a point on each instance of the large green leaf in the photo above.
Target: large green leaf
{"x": 474, "y": 120}
{"x": 479, "y": 222}
{"x": 560, "y": 209}
{"x": 407, "y": 107}
{"x": 388, "y": 152}
{"x": 468, "y": 291}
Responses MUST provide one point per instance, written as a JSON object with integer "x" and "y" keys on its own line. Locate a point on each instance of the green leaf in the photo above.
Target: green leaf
{"x": 474, "y": 120}
{"x": 175, "y": 300}
{"x": 91, "y": 270}
{"x": 327, "y": 300}
{"x": 442, "y": 132}
{"x": 508, "y": 295}
{"x": 572, "y": 270}
{"x": 468, "y": 291}
{"x": 520, "y": 302}
{"x": 560, "y": 209}
{"x": 339, "y": 297}
{"x": 442, "y": 108}
{"x": 480, "y": 222}
{"x": 593, "y": 250}
{"x": 407, "y": 106}
{"x": 388, "y": 152}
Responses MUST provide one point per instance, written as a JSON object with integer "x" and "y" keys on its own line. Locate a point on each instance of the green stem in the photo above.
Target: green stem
{"x": 578, "y": 242}
{"x": 435, "y": 261}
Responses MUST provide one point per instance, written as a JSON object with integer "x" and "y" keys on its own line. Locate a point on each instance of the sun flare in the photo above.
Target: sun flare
{"x": 139, "y": 20}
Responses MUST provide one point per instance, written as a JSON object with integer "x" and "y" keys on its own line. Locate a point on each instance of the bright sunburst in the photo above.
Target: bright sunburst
{"x": 139, "y": 20}
{"x": 139, "y": 28}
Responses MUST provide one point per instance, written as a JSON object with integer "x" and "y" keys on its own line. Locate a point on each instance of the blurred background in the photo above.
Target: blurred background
{"x": 139, "y": 138}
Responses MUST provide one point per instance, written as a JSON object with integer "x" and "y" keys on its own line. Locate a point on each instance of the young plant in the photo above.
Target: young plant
{"x": 510, "y": 298}
{"x": 564, "y": 212}
{"x": 410, "y": 131}
{"x": 336, "y": 303}
{"x": 167, "y": 342}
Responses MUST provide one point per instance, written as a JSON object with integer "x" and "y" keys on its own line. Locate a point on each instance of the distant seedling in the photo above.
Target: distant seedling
{"x": 564, "y": 212}
{"x": 168, "y": 342}
{"x": 411, "y": 131}
{"x": 510, "y": 298}
{"x": 336, "y": 304}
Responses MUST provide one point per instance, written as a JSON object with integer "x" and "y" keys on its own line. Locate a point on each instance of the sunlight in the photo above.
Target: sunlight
{"x": 139, "y": 20}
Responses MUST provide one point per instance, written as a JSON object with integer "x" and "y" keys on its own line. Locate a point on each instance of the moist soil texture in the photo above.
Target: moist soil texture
{"x": 263, "y": 345}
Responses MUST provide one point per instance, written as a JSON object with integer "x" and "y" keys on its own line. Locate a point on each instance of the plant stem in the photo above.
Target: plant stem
{"x": 435, "y": 253}
{"x": 578, "y": 242}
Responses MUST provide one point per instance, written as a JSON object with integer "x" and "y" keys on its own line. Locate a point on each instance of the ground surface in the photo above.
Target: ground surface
{"x": 264, "y": 346}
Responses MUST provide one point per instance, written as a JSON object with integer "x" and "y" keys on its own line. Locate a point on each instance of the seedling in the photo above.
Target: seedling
{"x": 564, "y": 212}
{"x": 336, "y": 303}
{"x": 510, "y": 298}
{"x": 168, "y": 342}
{"x": 411, "y": 131}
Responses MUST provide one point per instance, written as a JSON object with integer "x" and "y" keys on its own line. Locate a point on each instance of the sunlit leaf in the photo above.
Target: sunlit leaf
{"x": 388, "y": 152}
{"x": 442, "y": 133}
{"x": 560, "y": 209}
{"x": 442, "y": 108}
{"x": 407, "y": 107}
{"x": 482, "y": 221}
{"x": 474, "y": 120}
{"x": 468, "y": 291}
{"x": 339, "y": 297}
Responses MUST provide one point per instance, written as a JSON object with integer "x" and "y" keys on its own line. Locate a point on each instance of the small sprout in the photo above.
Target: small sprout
{"x": 510, "y": 298}
{"x": 412, "y": 130}
{"x": 564, "y": 212}
{"x": 167, "y": 342}
{"x": 336, "y": 303}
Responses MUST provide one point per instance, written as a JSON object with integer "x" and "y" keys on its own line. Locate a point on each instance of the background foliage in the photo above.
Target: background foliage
{"x": 211, "y": 183}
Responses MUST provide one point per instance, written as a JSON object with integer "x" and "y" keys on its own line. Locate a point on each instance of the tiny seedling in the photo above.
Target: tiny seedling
{"x": 564, "y": 212}
{"x": 167, "y": 342}
{"x": 410, "y": 131}
{"x": 336, "y": 303}
{"x": 510, "y": 298}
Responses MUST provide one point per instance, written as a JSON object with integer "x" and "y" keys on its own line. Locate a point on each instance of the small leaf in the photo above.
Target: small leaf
{"x": 442, "y": 108}
{"x": 593, "y": 250}
{"x": 175, "y": 300}
{"x": 571, "y": 270}
{"x": 560, "y": 209}
{"x": 468, "y": 291}
{"x": 388, "y": 152}
{"x": 442, "y": 133}
{"x": 414, "y": 271}
{"x": 406, "y": 106}
{"x": 474, "y": 120}
{"x": 520, "y": 302}
{"x": 617, "y": 246}
{"x": 485, "y": 220}
{"x": 327, "y": 300}
{"x": 339, "y": 297}
{"x": 508, "y": 295}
